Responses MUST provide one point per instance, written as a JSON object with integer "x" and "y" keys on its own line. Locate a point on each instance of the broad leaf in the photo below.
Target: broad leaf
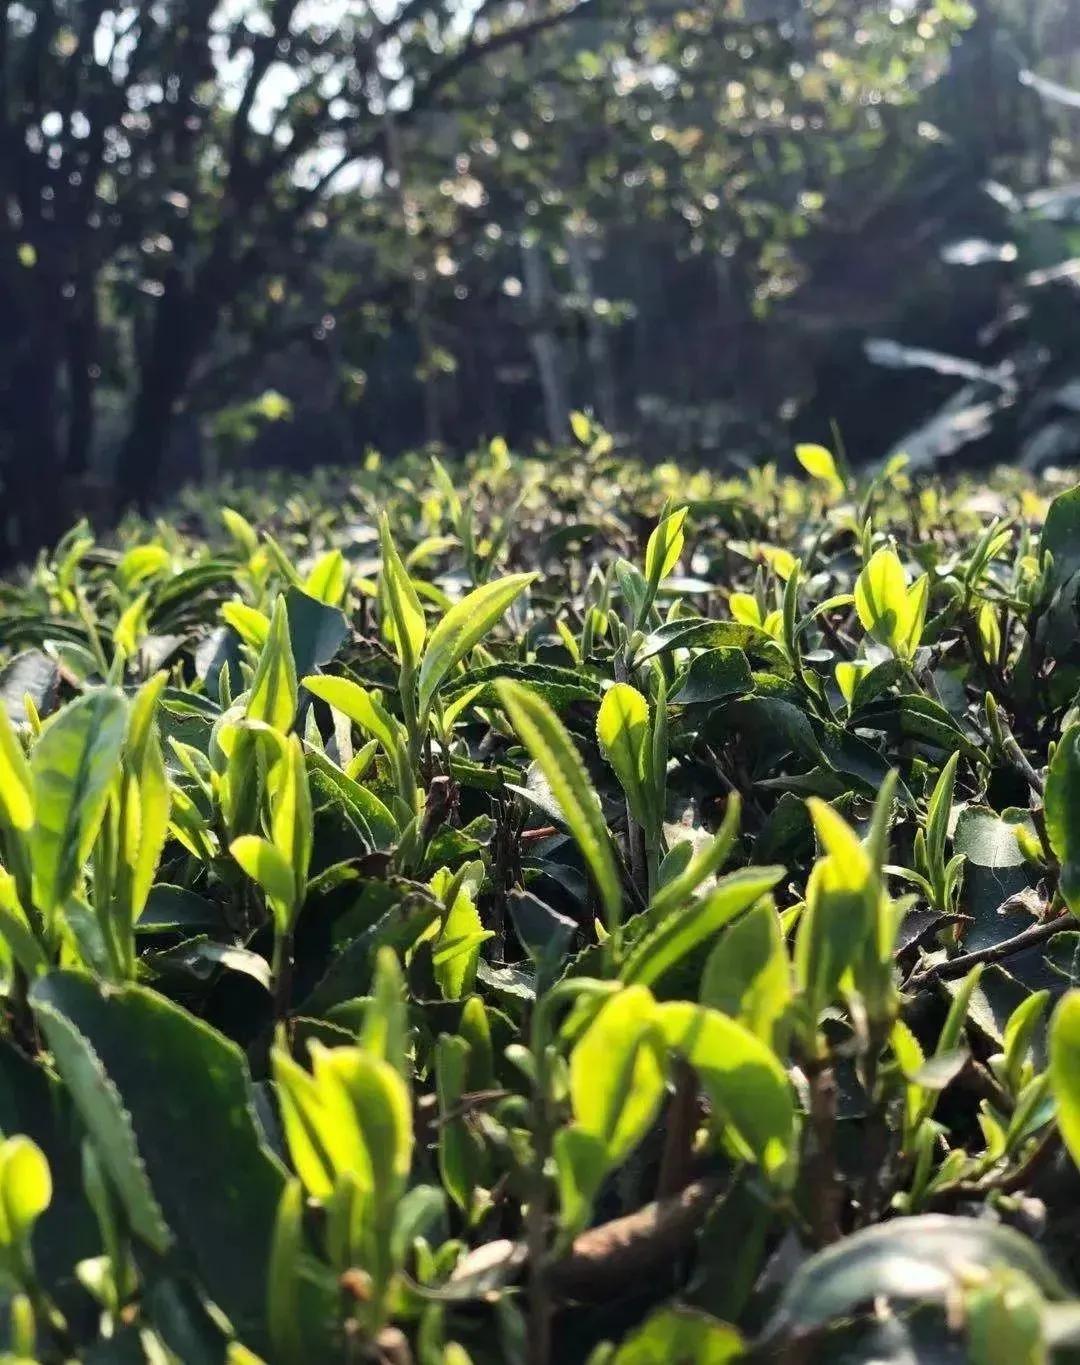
{"x": 73, "y": 765}
{"x": 169, "y": 1106}
{"x": 273, "y": 691}
{"x": 622, "y": 731}
{"x": 1062, "y": 808}
{"x": 908, "y": 1258}
{"x": 463, "y": 626}
{"x": 543, "y": 734}
{"x": 744, "y": 1080}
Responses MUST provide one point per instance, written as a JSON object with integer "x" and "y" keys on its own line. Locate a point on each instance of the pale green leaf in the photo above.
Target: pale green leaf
{"x": 362, "y": 708}
{"x": 664, "y": 548}
{"x": 328, "y": 578}
{"x": 881, "y": 599}
{"x": 683, "y": 1335}
{"x": 291, "y": 820}
{"x": 146, "y": 799}
{"x": 273, "y": 691}
{"x": 617, "y": 1073}
{"x": 744, "y": 1079}
{"x": 622, "y": 731}
{"x": 1065, "y": 1070}
{"x": 1062, "y": 807}
{"x": 267, "y": 867}
{"x": 252, "y": 625}
{"x": 546, "y": 739}
{"x": 73, "y": 766}
{"x": 819, "y": 464}
{"x": 684, "y": 930}
{"x": 16, "y": 798}
{"x": 25, "y": 1187}
{"x": 406, "y": 613}
{"x": 131, "y": 626}
{"x": 463, "y": 626}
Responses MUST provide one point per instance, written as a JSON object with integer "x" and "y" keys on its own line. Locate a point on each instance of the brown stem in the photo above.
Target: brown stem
{"x": 536, "y": 1233}
{"x": 960, "y": 966}
{"x": 682, "y": 1118}
{"x": 823, "y": 1188}
{"x": 604, "y": 1260}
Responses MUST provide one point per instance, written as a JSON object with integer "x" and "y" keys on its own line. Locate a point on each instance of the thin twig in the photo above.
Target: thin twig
{"x": 960, "y": 966}
{"x": 1011, "y": 1182}
{"x": 468, "y": 1104}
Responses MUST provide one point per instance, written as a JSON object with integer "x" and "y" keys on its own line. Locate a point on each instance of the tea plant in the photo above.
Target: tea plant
{"x": 545, "y": 910}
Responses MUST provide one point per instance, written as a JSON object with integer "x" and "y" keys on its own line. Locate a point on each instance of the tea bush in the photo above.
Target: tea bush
{"x": 545, "y": 910}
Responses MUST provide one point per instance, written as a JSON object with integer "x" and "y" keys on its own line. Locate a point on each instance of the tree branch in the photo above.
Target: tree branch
{"x": 997, "y": 952}
{"x": 605, "y": 1260}
{"x": 475, "y": 52}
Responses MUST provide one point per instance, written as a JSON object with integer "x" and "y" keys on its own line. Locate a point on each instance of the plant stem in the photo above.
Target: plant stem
{"x": 960, "y": 966}
{"x": 536, "y": 1216}
{"x": 281, "y": 972}
{"x": 638, "y": 865}
{"x": 682, "y": 1113}
{"x": 823, "y": 1188}
{"x": 605, "y": 1260}
{"x": 1019, "y": 1178}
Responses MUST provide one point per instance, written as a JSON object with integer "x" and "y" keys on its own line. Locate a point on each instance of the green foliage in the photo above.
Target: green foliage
{"x": 382, "y": 970}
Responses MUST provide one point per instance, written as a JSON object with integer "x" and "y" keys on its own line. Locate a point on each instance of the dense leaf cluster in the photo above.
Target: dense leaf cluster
{"x": 545, "y": 911}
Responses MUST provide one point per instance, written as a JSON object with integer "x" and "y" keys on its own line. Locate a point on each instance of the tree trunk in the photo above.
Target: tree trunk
{"x": 36, "y": 498}
{"x": 81, "y": 356}
{"x": 596, "y": 337}
{"x": 182, "y": 329}
{"x": 34, "y": 509}
{"x": 545, "y": 345}
{"x": 418, "y": 289}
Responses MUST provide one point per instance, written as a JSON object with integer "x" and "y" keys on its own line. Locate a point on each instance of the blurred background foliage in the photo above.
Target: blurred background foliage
{"x": 241, "y": 233}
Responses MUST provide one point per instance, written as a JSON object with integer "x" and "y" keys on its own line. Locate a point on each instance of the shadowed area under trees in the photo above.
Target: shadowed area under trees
{"x": 277, "y": 232}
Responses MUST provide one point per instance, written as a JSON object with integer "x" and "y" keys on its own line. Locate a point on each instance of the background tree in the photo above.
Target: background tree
{"x": 159, "y": 162}
{"x": 437, "y": 219}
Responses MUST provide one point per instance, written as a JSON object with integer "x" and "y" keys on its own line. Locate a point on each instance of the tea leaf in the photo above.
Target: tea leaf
{"x": 16, "y": 799}
{"x": 617, "y": 1073}
{"x": 410, "y": 624}
{"x": 819, "y": 464}
{"x": 1065, "y": 1070}
{"x": 622, "y": 730}
{"x": 25, "y": 1188}
{"x": 273, "y": 691}
{"x": 72, "y": 768}
{"x": 745, "y": 1082}
{"x": 211, "y": 1184}
{"x": 684, "y": 930}
{"x": 1062, "y": 810}
{"x": 681, "y": 1334}
{"x": 540, "y": 730}
{"x": 265, "y": 865}
{"x": 463, "y": 626}
{"x": 363, "y": 708}
{"x": 664, "y": 549}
